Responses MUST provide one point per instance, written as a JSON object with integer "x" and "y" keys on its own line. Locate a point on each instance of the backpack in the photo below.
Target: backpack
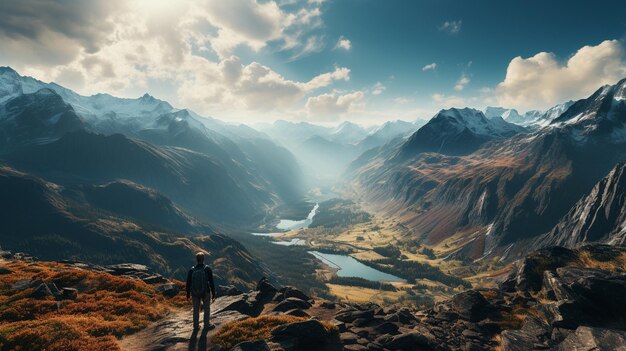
{"x": 199, "y": 281}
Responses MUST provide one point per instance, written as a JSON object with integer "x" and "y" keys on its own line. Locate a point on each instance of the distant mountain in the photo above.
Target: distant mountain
{"x": 457, "y": 132}
{"x": 348, "y": 133}
{"x": 36, "y": 118}
{"x": 33, "y": 113}
{"x": 325, "y": 159}
{"x": 193, "y": 180}
{"x": 387, "y": 132}
{"x": 509, "y": 191}
{"x": 54, "y": 222}
{"x": 533, "y": 119}
{"x": 599, "y": 216}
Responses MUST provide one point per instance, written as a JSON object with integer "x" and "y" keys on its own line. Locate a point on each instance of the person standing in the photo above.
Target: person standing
{"x": 201, "y": 289}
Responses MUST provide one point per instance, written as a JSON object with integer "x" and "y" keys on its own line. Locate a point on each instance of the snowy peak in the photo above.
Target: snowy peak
{"x": 456, "y": 120}
{"x": 602, "y": 115}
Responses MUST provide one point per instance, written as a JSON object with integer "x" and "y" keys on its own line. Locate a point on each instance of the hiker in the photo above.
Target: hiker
{"x": 202, "y": 291}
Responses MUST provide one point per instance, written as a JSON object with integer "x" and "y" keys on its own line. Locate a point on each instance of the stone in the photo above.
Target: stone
{"x": 127, "y": 268}
{"x": 406, "y": 342}
{"x": 257, "y": 345}
{"x": 227, "y": 290}
{"x": 470, "y": 305}
{"x": 154, "y": 279}
{"x": 290, "y": 304}
{"x": 597, "y": 339}
{"x": 350, "y": 316}
{"x": 309, "y": 332}
{"x": 69, "y": 294}
{"x": 297, "y": 313}
{"x": 387, "y": 328}
{"x": 348, "y": 338}
{"x": 168, "y": 290}
{"x": 290, "y": 291}
{"x": 517, "y": 340}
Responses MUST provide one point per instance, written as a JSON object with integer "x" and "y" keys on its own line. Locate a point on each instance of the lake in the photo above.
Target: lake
{"x": 287, "y": 224}
{"x": 349, "y": 267}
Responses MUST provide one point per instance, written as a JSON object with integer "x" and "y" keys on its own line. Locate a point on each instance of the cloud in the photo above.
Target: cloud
{"x": 344, "y": 44}
{"x": 451, "y": 27}
{"x": 333, "y": 104}
{"x": 378, "y": 88}
{"x": 430, "y": 67}
{"x": 186, "y": 47}
{"x": 252, "y": 87}
{"x": 542, "y": 81}
{"x": 462, "y": 82}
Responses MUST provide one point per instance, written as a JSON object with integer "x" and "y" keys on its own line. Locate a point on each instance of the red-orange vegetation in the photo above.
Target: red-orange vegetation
{"x": 107, "y": 307}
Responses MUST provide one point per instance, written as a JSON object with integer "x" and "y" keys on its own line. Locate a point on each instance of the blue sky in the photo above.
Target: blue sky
{"x": 322, "y": 61}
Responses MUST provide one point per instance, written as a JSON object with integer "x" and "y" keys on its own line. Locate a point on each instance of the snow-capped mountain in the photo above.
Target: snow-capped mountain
{"x": 533, "y": 119}
{"x": 348, "y": 133}
{"x": 387, "y": 132}
{"x": 457, "y": 132}
{"x": 602, "y": 115}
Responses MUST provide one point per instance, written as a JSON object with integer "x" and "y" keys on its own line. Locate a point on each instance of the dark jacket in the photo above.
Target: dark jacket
{"x": 209, "y": 274}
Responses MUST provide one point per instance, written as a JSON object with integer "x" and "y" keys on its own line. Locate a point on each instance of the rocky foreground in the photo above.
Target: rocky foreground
{"x": 556, "y": 299}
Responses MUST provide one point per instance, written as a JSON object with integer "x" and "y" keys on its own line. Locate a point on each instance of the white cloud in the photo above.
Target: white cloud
{"x": 462, "y": 82}
{"x": 451, "y": 27}
{"x": 448, "y": 101}
{"x": 430, "y": 67}
{"x": 378, "y": 88}
{"x": 344, "y": 44}
{"x": 542, "y": 81}
{"x": 123, "y": 48}
{"x": 333, "y": 104}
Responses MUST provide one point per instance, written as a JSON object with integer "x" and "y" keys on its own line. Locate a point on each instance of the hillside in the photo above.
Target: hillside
{"x": 503, "y": 194}
{"x": 78, "y": 306}
{"x": 70, "y": 227}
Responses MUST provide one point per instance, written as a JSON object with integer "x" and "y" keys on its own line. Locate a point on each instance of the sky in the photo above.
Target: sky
{"x": 321, "y": 61}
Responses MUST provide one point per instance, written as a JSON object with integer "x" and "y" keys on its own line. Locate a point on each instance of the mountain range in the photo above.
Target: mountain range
{"x": 496, "y": 190}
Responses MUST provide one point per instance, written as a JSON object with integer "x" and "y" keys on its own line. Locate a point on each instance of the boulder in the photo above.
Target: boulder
{"x": 352, "y": 315}
{"x": 168, "y": 290}
{"x": 328, "y": 305}
{"x": 517, "y": 340}
{"x": 470, "y": 305}
{"x": 297, "y": 313}
{"x": 387, "y": 328}
{"x": 227, "y": 290}
{"x": 127, "y": 268}
{"x": 306, "y": 333}
{"x": 154, "y": 279}
{"x": 407, "y": 342}
{"x": 290, "y": 304}
{"x": 290, "y": 291}
{"x": 256, "y": 345}
{"x": 597, "y": 339}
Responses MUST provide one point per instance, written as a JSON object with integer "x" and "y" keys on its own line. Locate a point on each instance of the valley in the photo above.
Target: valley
{"x": 404, "y": 215}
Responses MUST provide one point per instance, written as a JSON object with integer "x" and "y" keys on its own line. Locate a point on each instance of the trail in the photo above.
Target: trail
{"x": 174, "y": 332}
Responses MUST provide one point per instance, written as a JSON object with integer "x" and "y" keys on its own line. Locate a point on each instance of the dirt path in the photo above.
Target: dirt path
{"x": 173, "y": 333}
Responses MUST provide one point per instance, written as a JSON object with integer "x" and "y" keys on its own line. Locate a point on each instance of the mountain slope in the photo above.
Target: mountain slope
{"x": 457, "y": 132}
{"x": 193, "y": 180}
{"x": 507, "y": 192}
{"x": 35, "y": 118}
{"x": 599, "y": 216}
{"x": 66, "y": 227}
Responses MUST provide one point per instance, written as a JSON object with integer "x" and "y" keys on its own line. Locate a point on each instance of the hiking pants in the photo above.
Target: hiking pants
{"x": 206, "y": 302}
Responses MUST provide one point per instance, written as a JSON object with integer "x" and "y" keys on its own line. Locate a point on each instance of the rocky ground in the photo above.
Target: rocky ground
{"x": 556, "y": 299}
